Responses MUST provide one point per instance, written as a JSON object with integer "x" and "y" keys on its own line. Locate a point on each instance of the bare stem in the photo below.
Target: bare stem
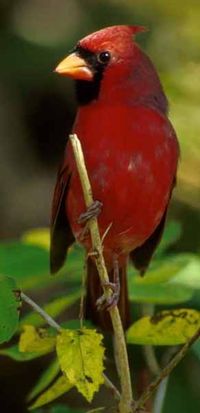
{"x": 165, "y": 372}
{"x": 160, "y": 396}
{"x": 52, "y": 323}
{"x": 123, "y": 366}
{"x": 112, "y": 388}
{"x": 40, "y": 311}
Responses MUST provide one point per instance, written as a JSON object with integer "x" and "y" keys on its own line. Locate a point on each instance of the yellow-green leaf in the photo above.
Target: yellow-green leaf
{"x": 81, "y": 354}
{"x": 37, "y": 236}
{"x": 171, "y": 327}
{"x": 36, "y": 340}
{"x": 60, "y": 386}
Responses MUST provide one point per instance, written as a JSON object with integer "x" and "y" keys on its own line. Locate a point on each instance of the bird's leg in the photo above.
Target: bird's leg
{"x": 107, "y": 303}
{"x": 92, "y": 212}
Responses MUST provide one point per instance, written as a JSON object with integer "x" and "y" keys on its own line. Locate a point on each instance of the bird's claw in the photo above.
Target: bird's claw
{"x": 92, "y": 212}
{"x": 107, "y": 303}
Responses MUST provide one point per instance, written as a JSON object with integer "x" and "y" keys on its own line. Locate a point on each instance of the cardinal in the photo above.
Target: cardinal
{"x": 131, "y": 154}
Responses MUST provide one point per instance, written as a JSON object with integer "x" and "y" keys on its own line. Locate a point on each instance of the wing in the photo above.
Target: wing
{"x": 142, "y": 255}
{"x": 61, "y": 233}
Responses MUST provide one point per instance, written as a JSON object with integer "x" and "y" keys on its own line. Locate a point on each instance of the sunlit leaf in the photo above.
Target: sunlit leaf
{"x": 37, "y": 236}
{"x": 171, "y": 327}
{"x": 36, "y": 340}
{"x": 189, "y": 275}
{"x": 171, "y": 280}
{"x": 164, "y": 293}
{"x": 168, "y": 268}
{"x": 58, "y": 388}
{"x": 9, "y": 308}
{"x": 54, "y": 309}
{"x": 81, "y": 356}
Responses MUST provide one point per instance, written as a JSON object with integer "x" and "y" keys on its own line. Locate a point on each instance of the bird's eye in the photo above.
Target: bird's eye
{"x": 104, "y": 57}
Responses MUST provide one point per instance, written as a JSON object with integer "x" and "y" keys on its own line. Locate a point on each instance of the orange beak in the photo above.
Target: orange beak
{"x": 75, "y": 67}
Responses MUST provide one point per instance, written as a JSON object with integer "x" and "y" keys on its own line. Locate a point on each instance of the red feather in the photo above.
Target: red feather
{"x": 131, "y": 154}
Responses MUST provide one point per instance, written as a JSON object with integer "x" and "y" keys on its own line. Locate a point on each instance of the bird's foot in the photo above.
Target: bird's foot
{"x": 107, "y": 303}
{"x": 92, "y": 212}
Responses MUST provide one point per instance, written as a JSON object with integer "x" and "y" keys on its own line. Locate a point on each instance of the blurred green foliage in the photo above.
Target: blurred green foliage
{"x": 172, "y": 280}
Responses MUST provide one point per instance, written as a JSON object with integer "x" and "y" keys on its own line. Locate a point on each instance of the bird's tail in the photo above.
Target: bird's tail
{"x": 94, "y": 291}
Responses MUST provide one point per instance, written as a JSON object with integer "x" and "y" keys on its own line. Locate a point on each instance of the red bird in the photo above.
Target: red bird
{"x": 131, "y": 154}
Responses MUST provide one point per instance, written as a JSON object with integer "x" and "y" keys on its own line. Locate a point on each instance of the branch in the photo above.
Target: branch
{"x": 165, "y": 372}
{"x": 123, "y": 366}
{"x": 52, "y": 323}
{"x": 112, "y": 388}
{"x": 39, "y": 310}
{"x": 160, "y": 396}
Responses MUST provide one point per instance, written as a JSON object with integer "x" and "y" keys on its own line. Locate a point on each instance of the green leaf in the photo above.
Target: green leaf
{"x": 36, "y": 340}
{"x": 168, "y": 328}
{"x": 29, "y": 265}
{"x": 81, "y": 354}
{"x": 170, "y": 281}
{"x": 9, "y": 308}
{"x": 54, "y": 309}
{"x": 45, "y": 379}
{"x": 58, "y": 388}
{"x": 74, "y": 265}
{"x": 14, "y": 353}
{"x": 26, "y": 263}
{"x": 159, "y": 293}
{"x": 167, "y": 269}
{"x": 170, "y": 236}
{"x": 189, "y": 275}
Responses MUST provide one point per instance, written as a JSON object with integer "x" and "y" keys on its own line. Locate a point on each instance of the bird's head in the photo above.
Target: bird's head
{"x": 105, "y": 48}
{"x": 104, "y": 52}
{"x": 108, "y": 63}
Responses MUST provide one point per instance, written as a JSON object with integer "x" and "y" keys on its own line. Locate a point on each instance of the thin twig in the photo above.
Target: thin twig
{"x": 123, "y": 366}
{"x": 160, "y": 396}
{"x": 165, "y": 372}
{"x": 52, "y": 323}
{"x": 150, "y": 357}
{"x": 40, "y": 311}
{"x": 106, "y": 233}
{"x": 112, "y": 388}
